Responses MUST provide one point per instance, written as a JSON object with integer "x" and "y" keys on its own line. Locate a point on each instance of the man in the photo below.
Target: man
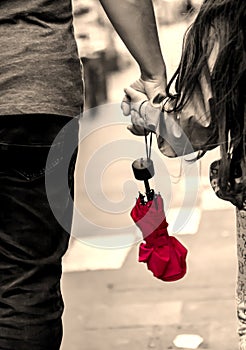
{"x": 41, "y": 92}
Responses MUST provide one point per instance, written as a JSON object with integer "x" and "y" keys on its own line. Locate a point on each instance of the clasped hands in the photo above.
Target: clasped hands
{"x": 142, "y": 102}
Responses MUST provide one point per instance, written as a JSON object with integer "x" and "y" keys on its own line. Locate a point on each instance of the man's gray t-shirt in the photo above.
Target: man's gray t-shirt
{"x": 40, "y": 70}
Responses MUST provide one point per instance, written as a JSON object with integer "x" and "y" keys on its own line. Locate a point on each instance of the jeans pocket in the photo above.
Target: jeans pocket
{"x": 30, "y": 175}
{"x": 29, "y": 163}
{"x": 33, "y": 162}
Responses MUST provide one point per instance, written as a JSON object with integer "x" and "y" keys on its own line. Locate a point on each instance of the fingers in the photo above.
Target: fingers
{"x": 131, "y": 101}
{"x": 153, "y": 87}
{"x": 135, "y": 130}
{"x": 126, "y": 105}
{"x": 138, "y": 86}
{"x": 130, "y": 108}
{"x": 138, "y": 124}
{"x": 144, "y": 115}
{"x": 134, "y": 95}
{"x": 157, "y": 100}
{"x": 137, "y": 120}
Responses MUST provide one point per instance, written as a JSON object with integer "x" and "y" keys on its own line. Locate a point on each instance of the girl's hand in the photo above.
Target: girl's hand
{"x": 143, "y": 89}
{"x": 131, "y": 105}
{"x": 145, "y": 116}
{"x": 152, "y": 88}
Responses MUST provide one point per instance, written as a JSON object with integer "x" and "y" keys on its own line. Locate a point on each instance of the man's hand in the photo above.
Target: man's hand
{"x": 151, "y": 87}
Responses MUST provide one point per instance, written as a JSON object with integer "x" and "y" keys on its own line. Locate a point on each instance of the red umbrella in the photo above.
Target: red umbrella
{"x": 164, "y": 255}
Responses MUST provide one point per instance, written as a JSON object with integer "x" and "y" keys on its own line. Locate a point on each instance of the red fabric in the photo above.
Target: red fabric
{"x": 164, "y": 255}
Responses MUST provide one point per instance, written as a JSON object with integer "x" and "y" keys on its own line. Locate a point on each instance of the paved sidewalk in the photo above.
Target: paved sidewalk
{"x": 129, "y": 309}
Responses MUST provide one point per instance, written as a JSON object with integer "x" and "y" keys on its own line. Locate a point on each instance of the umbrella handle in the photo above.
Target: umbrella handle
{"x": 143, "y": 170}
{"x": 147, "y": 187}
{"x": 149, "y": 193}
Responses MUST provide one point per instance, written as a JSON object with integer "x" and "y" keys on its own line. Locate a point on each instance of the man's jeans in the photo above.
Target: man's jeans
{"x": 33, "y": 240}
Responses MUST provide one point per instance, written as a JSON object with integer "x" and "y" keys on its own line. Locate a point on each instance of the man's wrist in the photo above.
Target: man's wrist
{"x": 154, "y": 75}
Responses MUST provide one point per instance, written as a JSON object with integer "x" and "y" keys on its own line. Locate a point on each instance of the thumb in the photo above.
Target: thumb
{"x": 134, "y": 95}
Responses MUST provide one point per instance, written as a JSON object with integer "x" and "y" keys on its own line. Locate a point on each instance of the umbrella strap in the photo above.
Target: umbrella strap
{"x": 148, "y": 147}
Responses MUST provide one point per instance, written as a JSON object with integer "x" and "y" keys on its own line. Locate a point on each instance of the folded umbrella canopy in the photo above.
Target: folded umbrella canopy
{"x": 164, "y": 255}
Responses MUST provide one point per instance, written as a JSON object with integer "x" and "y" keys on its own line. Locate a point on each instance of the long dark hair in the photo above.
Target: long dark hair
{"x": 225, "y": 21}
